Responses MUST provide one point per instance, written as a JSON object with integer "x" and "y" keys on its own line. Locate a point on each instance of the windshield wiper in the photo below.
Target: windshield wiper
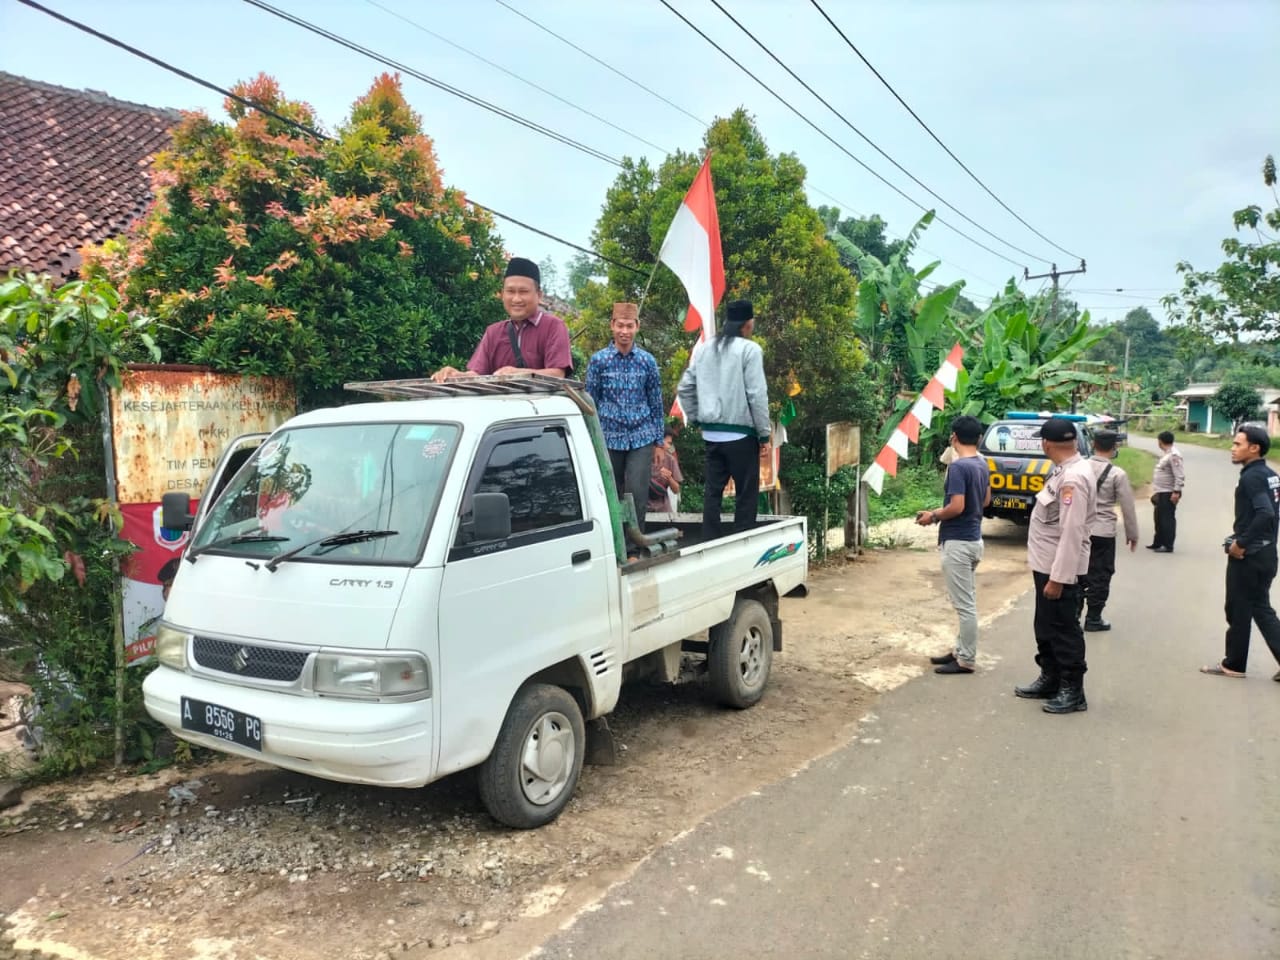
{"x": 330, "y": 542}
{"x": 229, "y": 541}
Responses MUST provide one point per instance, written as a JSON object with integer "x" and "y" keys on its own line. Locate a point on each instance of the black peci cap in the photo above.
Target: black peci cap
{"x": 1058, "y": 430}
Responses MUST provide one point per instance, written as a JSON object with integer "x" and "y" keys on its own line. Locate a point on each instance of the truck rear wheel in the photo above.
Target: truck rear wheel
{"x": 531, "y": 774}
{"x": 741, "y": 655}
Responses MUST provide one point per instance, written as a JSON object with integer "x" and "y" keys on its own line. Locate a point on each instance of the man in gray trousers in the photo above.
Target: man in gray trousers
{"x": 967, "y": 491}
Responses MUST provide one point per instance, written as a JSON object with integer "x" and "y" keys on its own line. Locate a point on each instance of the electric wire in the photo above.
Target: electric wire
{"x": 871, "y": 143}
{"x": 511, "y": 73}
{"x": 839, "y": 146}
{"x": 936, "y": 138}
{"x": 301, "y": 127}
{"x": 591, "y": 56}
{"x": 685, "y": 112}
{"x": 431, "y": 81}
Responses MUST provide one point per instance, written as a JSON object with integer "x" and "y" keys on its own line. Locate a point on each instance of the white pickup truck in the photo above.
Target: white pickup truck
{"x": 390, "y": 592}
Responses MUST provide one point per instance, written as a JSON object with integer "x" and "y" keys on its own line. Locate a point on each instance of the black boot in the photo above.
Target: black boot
{"x": 1093, "y": 621}
{"x": 1043, "y": 687}
{"x": 1070, "y": 698}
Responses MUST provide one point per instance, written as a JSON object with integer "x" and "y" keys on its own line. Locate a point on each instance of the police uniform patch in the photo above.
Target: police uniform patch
{"x": 1066, "y": 496}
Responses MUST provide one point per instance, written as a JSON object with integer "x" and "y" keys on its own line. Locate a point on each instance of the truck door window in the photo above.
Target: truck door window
{"x": 535, "y": 471}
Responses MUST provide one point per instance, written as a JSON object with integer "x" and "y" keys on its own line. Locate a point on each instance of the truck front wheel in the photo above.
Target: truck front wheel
{"x": 533, "y": 769}
{"x": 741, "y": 655}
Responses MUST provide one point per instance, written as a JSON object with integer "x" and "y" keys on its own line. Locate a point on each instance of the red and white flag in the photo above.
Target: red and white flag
{"x": 692, "y": 250}
{"x": 921, "y": 414}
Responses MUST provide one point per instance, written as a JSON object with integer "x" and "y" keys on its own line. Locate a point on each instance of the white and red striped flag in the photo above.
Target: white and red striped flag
{"x": 920, "y": 414}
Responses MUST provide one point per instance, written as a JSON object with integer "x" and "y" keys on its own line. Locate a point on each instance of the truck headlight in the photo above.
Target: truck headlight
{"x": 171, "y": 646}
{"x": 371, "y": 676}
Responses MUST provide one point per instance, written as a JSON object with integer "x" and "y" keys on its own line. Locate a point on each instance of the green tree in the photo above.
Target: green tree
{"x": 60, "y": 351}
{"x": 580, "y": 271}
{"x": 1242, "y": 296}
{"x": 1238, "y": 399}
{"x": 269, "y": 251}
{"x": 775, "y": 254}
{"x": 856, "y": 237}
{"x": 1019, "y": 360}
{"x": 902, "y": 330}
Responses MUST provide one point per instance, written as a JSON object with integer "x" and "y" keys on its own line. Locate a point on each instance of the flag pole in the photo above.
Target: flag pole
{"x": 648, "y": 283}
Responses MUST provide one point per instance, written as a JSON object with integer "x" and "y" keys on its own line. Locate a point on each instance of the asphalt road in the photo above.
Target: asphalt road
{"x": 964, "y": 822}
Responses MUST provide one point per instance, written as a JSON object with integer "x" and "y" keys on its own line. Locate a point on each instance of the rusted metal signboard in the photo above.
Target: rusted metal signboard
{"x": 169, "y": 425}
{"x": 844, "y": 445}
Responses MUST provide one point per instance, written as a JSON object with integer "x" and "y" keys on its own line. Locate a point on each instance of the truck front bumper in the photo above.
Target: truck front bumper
{"x": 381, "y": 744}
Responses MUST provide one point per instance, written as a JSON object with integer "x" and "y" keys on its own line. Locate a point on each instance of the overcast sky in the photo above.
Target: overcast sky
{"x": 1126, "y": 131}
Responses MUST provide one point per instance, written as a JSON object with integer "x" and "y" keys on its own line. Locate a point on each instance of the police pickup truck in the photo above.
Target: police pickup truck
{"x": 1018, "y": 465}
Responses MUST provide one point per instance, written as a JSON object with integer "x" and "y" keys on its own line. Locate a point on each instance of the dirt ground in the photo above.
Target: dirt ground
{"x": 230, "y": 860}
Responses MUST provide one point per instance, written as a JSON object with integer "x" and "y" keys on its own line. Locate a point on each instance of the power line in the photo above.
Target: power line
{"x": 839, "y": 146}
{"x": 1120, "y": 293}
{"x": 514, "y": 75}
{"x": 675, "y": 106}
{"x": 301, "y": 127}
{"x": 936, "y": 138}
{"x": 432, "y": 81}
{"x": 871, "y": 143}
{"x": 587, "y": 53}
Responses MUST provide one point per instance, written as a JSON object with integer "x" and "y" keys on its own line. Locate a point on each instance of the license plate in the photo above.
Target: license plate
{"x": 1008, "y": 503}
{"x": 221, "y": 722}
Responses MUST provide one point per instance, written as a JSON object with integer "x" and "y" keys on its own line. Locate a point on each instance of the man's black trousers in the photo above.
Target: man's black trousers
{"x": 1059, "y": 638}
{"x": 1249, "y": 602}
{"x": 1102, "y": 567}
{"x": 1166, "y": 521}
{"x": 739, "y": 459}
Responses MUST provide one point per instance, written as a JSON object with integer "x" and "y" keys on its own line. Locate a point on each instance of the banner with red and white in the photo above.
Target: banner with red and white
{"x": 932, "y": 397}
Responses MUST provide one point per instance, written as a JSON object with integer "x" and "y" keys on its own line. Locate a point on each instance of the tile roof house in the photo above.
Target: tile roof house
{"x": 73, "y": 170}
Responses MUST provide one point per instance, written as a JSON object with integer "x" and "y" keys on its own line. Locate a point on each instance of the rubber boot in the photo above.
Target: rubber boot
{"x": 1043, "y": 687}
{"x": 1070, "y": 698}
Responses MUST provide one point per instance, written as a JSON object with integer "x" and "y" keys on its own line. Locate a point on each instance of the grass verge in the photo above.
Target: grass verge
{"x": 915, "y": 488}
{"x": 1138, "y": 464}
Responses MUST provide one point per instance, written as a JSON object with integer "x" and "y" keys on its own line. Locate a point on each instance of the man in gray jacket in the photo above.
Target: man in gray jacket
{"x": 724, "y": 392}
{"x": 1112, "y": 488}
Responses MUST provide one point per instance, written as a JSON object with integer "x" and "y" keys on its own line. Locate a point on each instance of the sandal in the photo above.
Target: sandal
{"x": 1218, "y": 670}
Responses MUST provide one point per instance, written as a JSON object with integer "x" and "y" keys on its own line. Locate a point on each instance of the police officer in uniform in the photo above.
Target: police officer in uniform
{"x": 1058, "y": 554}
{"x": 1251, "y": 554}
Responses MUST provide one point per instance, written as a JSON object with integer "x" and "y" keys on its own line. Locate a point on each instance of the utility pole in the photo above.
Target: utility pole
{"x": 1124, "y": 383}
{"x": 1054, "y": 273}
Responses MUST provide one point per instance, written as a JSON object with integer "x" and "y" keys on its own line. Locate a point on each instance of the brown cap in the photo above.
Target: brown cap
{"x": 626, "y": 311}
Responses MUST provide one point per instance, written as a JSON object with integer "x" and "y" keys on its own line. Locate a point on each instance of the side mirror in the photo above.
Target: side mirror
{"x": 175, "y": 511}
{"x": 491, "y": 516}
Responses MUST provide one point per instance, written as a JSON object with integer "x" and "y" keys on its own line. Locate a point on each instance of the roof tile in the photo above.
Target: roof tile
{"x": 73, "y": 169}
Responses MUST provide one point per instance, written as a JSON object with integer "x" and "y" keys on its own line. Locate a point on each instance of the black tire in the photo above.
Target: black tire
{"x": 543, "y": 722}
{"x": 741, "y": 655}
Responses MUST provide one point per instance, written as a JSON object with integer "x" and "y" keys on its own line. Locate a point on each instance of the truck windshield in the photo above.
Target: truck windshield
{"x": 306, "y": 484}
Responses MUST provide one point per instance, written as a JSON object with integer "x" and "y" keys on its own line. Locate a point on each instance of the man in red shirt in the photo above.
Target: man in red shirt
{"x": 530, "y": 340}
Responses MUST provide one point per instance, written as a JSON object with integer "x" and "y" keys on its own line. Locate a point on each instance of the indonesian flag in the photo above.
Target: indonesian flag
{"x": 692, "y": 250}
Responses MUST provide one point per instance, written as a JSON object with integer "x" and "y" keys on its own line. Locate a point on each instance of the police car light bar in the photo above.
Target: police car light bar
{"x": 1043, "y": 415}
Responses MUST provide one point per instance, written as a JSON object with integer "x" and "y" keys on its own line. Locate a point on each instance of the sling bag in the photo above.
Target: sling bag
{"x": 515, "y": 344}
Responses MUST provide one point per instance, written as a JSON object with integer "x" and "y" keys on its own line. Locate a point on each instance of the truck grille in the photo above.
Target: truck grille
{"x": 248, "y": 660}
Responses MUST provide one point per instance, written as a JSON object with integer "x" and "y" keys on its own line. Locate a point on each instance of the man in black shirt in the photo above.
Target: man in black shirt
{"x": 1251, "y": 554}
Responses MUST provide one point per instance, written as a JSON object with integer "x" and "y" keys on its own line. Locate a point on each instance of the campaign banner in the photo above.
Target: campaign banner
{"x": 169, "y": 426}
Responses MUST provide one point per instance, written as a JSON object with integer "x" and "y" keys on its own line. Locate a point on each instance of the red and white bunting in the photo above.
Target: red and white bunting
{"x": 920, "y": 415}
